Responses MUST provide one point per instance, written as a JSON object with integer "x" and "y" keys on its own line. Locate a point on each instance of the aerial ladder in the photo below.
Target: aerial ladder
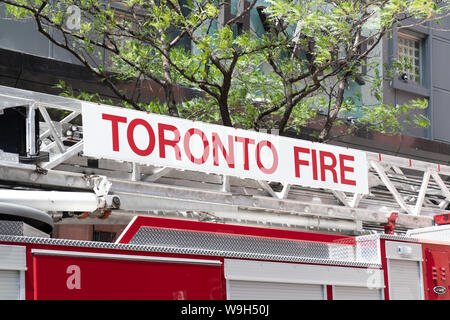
{"x": 43, "y": 167}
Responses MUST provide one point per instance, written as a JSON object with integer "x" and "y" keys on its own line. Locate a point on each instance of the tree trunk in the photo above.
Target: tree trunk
{"x": 223, "y": 99}
{"x": 168, "y": 86}
{"x": 289, "y": 108}
{"x": 224, "y": 111}
{"x": 170, "y": 100}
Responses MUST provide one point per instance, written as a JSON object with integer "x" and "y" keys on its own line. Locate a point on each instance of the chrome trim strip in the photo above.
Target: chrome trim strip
{"x": 80, "y": 254}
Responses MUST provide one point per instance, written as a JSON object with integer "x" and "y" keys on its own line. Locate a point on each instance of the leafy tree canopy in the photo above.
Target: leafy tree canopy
{"x": 306, "y": 62}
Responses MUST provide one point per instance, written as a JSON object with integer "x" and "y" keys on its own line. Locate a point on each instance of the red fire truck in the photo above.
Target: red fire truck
{"x": 212, "y": 212}
{"x": 160, "y": 258}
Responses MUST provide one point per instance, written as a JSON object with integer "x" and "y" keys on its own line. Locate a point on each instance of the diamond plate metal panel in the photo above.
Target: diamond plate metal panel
{"x": 13, "y": 228}
{"x": 238, "y": 246}
{"x": 367, "y": 249}
{"x": 230, "y": 243}
{"x": 19, "y": 228}
{"x": 366, "y": 253}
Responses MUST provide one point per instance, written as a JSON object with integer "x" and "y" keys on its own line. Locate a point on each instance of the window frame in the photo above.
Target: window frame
{"x": 415, "y": 39}
{"x": 422, "y": 88}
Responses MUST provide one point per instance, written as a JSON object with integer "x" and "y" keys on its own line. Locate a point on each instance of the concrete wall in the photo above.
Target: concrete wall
{"x": 440, "y": 81}
{"x": 23, "y": 36}
{"x": 435, "y": 85}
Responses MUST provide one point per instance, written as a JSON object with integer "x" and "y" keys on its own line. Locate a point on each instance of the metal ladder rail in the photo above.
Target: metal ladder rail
{"x": 434, "y": 177}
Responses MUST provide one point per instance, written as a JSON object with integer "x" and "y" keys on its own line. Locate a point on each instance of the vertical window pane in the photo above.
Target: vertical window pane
{"x": 409, "y": 53}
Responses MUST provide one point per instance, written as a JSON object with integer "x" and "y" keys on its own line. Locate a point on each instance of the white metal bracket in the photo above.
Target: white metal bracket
{"x": 100, "y": 184}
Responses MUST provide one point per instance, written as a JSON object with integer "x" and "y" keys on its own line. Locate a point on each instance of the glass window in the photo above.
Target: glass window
{"x": 409, "y": 52}
{"x": 103, "y": 236}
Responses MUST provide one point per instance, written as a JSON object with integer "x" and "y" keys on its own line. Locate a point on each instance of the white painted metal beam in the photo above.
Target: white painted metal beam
{"x": 441, "y": 184}
{"x": 60, "y": 158}
{"x": 379, "y": 169}
{"x": 53, "y": 200}
{"x": 422, "y": 192}
{"x": 53, "y": 131}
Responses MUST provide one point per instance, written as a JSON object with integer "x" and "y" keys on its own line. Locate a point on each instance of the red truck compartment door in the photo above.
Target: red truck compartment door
{"x": 80, "y": 275}
{"x": 437, "y": 283}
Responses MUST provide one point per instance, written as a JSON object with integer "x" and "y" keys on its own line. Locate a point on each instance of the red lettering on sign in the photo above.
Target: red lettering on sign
{"x": 245, "y": 143}
{"x": 115, "y": 127}
{"x": 344, "y": 169}
{"x": 329, "y": 167}
{"x": 274, "y": 166}
{"x": 297, "y": 161}
{"x": 217, "y": 143}
{"x": 187, "y": 148}
{"x": 163, "y": 142}
{"x": 314, "y": 163}
{"x": 151, "y": 137}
